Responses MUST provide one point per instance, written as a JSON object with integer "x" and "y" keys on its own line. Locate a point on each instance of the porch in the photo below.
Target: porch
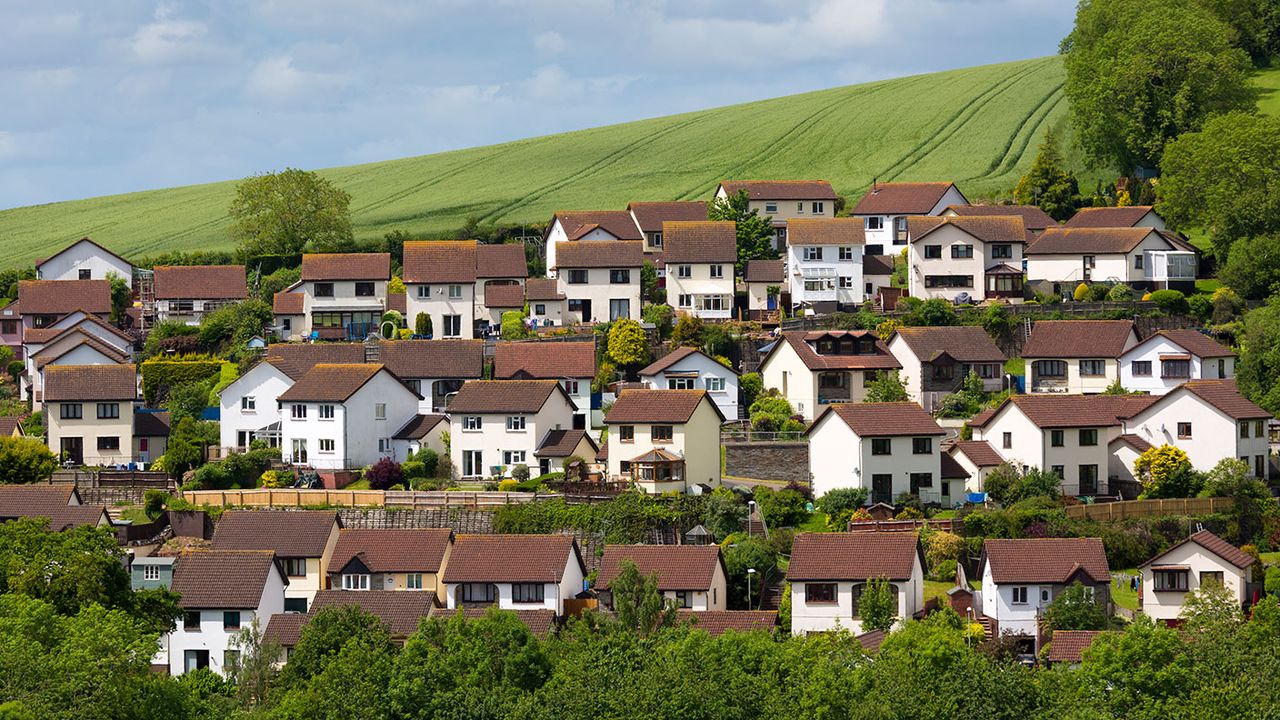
{"x": 1005, "y": 281}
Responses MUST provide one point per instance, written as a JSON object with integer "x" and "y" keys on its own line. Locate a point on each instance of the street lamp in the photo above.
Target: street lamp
{"x": 750, "y": 572}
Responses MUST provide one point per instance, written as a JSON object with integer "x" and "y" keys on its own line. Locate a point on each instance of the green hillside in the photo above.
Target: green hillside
{"x": 977, "y": 126}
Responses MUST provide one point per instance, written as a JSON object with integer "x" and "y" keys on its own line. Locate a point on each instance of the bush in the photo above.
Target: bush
{"x": 509, "y": 485}
{"x": 1200, "y": 307}
{"x": 942, "y": 546}
{"x": 1098, "y": 292}
{"x": 782, "y": 508}
{"x": 520, "y": 473}
{"x": 1171, "y": 302}
{"x": 751, "y": 385}
{"x": 1120, "y": 293}
{"x": 1081, "y": 293}
{"x": 269, "y": 479}
{"x": 383, "y": 474}
{"x": 944, "y": 571}
{"x": 842, "y": 499}
{"x": 413, "y": 469}
{"x": 422, "y": 324}
{"x": 430, "y": 460}
{"x": 153, "y": 502}
{"x": 158, "y": 376}
{"x": 25, "y": 460}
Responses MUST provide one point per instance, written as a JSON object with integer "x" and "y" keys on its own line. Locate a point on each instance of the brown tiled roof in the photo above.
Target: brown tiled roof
{"x": 979, "y": 452}
{"x": 503, "y": 296}
{"x": 901, "y": 198}
{"x": 655, "y": 406}
{"x": 983, "y": 417}
{"x": 544, "y": 360}
{"x": 33, "y": 500}
{"x": 287, "y": 303}
{"x": 400, "y": 611}
{"x": 1195, "y": 342}
{"x": 501, "y": 260}
{"x": 952, "y": 469}
{"x": 1134, "y": 441}
{"x": 49, "y": 354}
{"x": 284, "y": 629}
{"x": 290, "y": 533}
{"x": 1108, "y": 217}
{"x": 599, "y": 254}
{"x": 676, "y": 356}
{"x": 542, "y": 289}
{"x": 10, "y": 425}
{"x": 59, "y": 297}
{"x": 987, "y": 228}
{"x": 213, "y": 579}
{"x": 1033, "y": 218}
{"x": 826, "y": 231}
{"x": 330, "y": 382}
{"x": 872, "y": 640}
{"x": 510, "y": 558}
{"x": 151, "y": 424}
{"x": 433, "y": 358}
{"x": 562, "y": 443}
{"x": 296, "y": 359}
{"x": 346, "y": 266}
{"x": 883, "y": 419}
{"x": 764, "y": 271}
{"x": 418, "y": 427}
{"x": 707, "y": 241}
{"x": 92, "y": 242}
{"x": 1068, "y": 645}
{"x": 440, "y": 261}
{"x": 1213, "y": 544}
{"x": 390, "y": 550}
{"x": 1089, "y": 241}
{"x": 853, "y": 556}
{"x": 203, "y": 282}
{"x": 797, "y": 340}
{"x": 718, "y": 622}
{"x": 781, "y": 189}
{"x": 577, "y": 223}
{"x": 678, "y": 567}
{"x": 90, "y": 382}
{"x": 1078, "y": 339}
{"x": 965, "y": 343}
{"x": 1226, "y": 397}
{"x": 650, "y": 215}
{"x": 539, "y": 622}
{"x": 504, "y": 396}
{"x": 398, "y": 302}
{"x": 1045, "y": 560}
{"x": 877, "y": 265}
{"x": 1069, "y": 411}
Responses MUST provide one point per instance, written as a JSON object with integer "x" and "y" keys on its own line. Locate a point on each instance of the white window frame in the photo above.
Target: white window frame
{"x": 511, "y": 458}
{"x": 684, "y": 300}
{"x": 516, "y": 423}
{"x": 413, "y": 581}
{"x": 684, "y": 272}
{"x": 326, "y": 412}
{"x": 355, "y": 581}
{"x": 771, "y": 207}
{"x": 150, "y": 572}
{"x": 874, "y": 222}
{"x": 298, "y": 411}
{"x": 248, "y": 403}
{"x": 717, "y": 272}
{"x": 570, "y": 386}
{"x": 811, "y": 254}
{"x": 384, "y": 445}
{"x": 680, "y": 383}
{"x": 455, "y": 292}
{"x": 846, "y": 252}
{"x": 472, "y": 423}
{"x": 327, "y": 445}
{"x": 819, "y": 207}
{"x": 379, "y": 411}
{"x": 424, "y": 291}
{"x": 1018, "y": 595}
{"x": 715, "y": 384}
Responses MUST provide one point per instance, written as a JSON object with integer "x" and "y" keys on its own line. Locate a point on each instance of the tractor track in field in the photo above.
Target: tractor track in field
{"x": 1026, "y": 129}
{"x": 386, "y": 200}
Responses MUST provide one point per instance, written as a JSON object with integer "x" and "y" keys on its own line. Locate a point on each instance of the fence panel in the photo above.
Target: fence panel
{"x": 1126, "y": 509}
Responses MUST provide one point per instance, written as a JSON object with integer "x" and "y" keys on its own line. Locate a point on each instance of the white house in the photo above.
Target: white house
{"x": 88, "y": 412}
{"x": 435, "y": 369}
{"x": 886, "y": 448}
{"x": 501, "y": 272}
{"x": 440, "y": 281}
{"x": 700, "y": 259}
{"x": 600, "y": 279}
{"x": 1115, "y": 217}
{"x": 649, "y": 217}
{"x": 302, "y": 541}
{"x": 184, "y": 293}
{"x": 1076, "y": 356}
{"x": 973, "y": 258}
{"x": 422, "y": 431}
{"x": 886, "y": 207}
{"x": 84, "y": 259}
{"x": 978, "y": 459}
{"x": 1020, "y": 578}
{"x": 829, "y": 571}
{"x": 342, "y": 417}
{"x": 1184, "y": 568}
{"x": 514, "y": 572}
{"x": 495, "y": 425}
{"x": 560, "y": 447}
{"x": 572, "y": 364}
{"x": 782, "y": 201}
{"x": 343, "y": 296}
{"x": 690, "y": 577}
{"x": 813, "y": 369}
{"x": 665, "y": 440}
{"x": 687, "y": 368}
{"x": 222, "y": 593}
{"x": 824, "y": 262}
{"x": 937, "y": 360}
{"x": 1169, "y": 358}
{"x": 1141, "y": 257}
{"x": 575, "y": 225}
{"x": 546, "y": 302}
{"x": 765, "y": 281}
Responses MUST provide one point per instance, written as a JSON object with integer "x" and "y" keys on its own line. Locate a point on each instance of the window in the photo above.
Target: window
{"x": 680, "y": 383}
{"x": 932, "y": 252}
{"x": 684, "y": 271}
{"x": 364, "y": 289}
{"x": 1212, "y": 576}
{"x": 1051, "y": 368}
{"x": 151, "y": 572}
{"x": 820, "y": 593}
{"x": 539, "y": 309}
{"x": 191, "y": 620}
{"x": 846, "y": 281}
{"x": 713, "y": 302}
{"x": 324, "y": 289}
{"x": 479, "y": 593}
{"x": 846, "y": 252}
{"x": 1007, "y": 441}
{"x": 717, "y": 272}
{"x": 413, "y": 581}
{"x": 527, "y": 592}
{"x": 472, "y": 422}
{"x": 513, "y": 457}
{"x": 1260, "y": 466}
{"x": 771, "y": 207}
{"x": 961, "y": 252}
{"x": 1020, "y": 595}
{"x": 70, "y": 411}
{"x": 819, "y": 208}
{"x": 384, "y": 445}
{"x": 424, "y": 291}
{"x": 379, "y": 411}
{"x": 1142, "y": 368}
{"x": 812, "y": 253}
{"x": 921, "y": 480}
{"x": 9, "y": 327}
{"x": 875, "y": 222}
{"x": 1059, "y": 471}
{"x": 661, "y": 434}
{"x": 472, "y": 463}
{"x": 800, "y": 208}
{"x": 326, "y": 445}
{"x": 295, "y": 605}
{"x": 1090, "y": 261}
{"x": 881, "y": 446}
{"x": 685, "y": 300}
{"x": 231, "y": 620}
{"x": 1137, "y": 262}
{"x": 1001, "y": 252}
{"x": 1170, "y": 580}
{"x": 85, "y": 274}
{"x": 620, "y": 276}
{"x": 1244, "y": 428}
{"x": 921, "y": 446}
{"x": 1259, "y": 427}
{"x": 355, "y": 581}
{"x": 1093, "y": 368}
{"x": 108, "y": 411}
{"x": 455, "y": 292}
{"x": 452, "y": 326}
{"x": 248, "y": 403}
{"x": 295, "y": 567}
{"x": 655, "y": 239}
{"x": 683, "y": 599}
{"x": 326, "y": 412}
{"x": 948, "y": 281}
{"x": 1184, "y": 430}
{"x": 1056, "y": 438}
{"x": 515, "y": 423}
{"x": 626, "y": 433}
{"x": 109, "y": 443}
{"x": 1088, "y": 436}
{"x": 1175, "y": 368}
{"x": 298, "y": 412}
{"x": 715, "y": 384}
{"x": 944, "y": 372}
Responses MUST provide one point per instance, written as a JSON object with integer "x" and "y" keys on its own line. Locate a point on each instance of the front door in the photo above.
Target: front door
{"x": 72, "y": 450}
{"x": 299, "y": 451}
{"x": 882, "y": 489}
{"x": 772, "y": 302}
{"x": 586, "y": 310}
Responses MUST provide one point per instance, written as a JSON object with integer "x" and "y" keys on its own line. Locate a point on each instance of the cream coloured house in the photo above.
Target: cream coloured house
{"x": 1202, "y": 557}
{"x": 440, "y": 282}
{"x": 829, "y": 571}
{"x": 937, "y": 360}
{"x": 600, "y": 279}
{"x": 885, "y": 448}
{"x": 1076, "y": 356}
{"x": 340, "y": 296}
{"x": 303, "y": 542}
{"x": 495, "y": 425}
{"x": 88, "y": 412}
{"x": 815, "y": 369}
{"x": 700, "y": 259}
{"x": 690, "y": 577}
{"x": 649, "y": 217}
{"x": 410, "y": 559}
{"x": 783, "y": 201}
{"x": 665, "y": 440}
{"x": 886, "y": 207}
{"x": 971, "y": 258}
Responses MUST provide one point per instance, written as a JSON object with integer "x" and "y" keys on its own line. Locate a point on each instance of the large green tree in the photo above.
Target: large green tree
{"x": 1076, "y": 609}
{"x": 290, "y": 211}
{"x": 1141, "y": 73}
{"x": 637, "y": 603}
{"x": 1048, "y": 184}
{"x": 1256, "y": 26}
{"x": 1258, "y": 370}
{"x": 1253, "y": 267}
{"x": 755, "y": 232}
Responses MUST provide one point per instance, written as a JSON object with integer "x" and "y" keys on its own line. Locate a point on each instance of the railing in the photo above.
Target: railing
{"x": 1149, "y": 508}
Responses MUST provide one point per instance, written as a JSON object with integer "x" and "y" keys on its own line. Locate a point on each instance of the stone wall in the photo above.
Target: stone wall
{"x": 784, "y": 461}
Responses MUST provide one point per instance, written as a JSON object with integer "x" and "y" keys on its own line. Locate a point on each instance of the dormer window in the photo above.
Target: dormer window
{"x": 826, "y": 347}
{"x": 355, "y": 582}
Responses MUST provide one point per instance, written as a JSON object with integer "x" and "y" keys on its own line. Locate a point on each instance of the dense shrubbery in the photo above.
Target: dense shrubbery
{"x": 236, "y": 469}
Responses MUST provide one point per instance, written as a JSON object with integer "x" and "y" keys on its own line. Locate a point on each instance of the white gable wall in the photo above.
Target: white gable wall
{"x": 83, "y": 255}
{"x": 726, "y": 400}
{"x": 1168, "y": 605}
{"x": 264, "y": 383}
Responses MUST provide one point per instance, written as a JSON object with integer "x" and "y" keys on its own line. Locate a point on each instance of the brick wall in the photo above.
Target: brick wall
{"x": 783, "y": 461}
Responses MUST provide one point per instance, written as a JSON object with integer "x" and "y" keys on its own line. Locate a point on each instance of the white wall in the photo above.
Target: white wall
{"x": 828, "y": 260}
{"x": 556, "y": 234}
{"x": 493, "y": 438}
{"x": 263, "y": 382}
{"x": 1032, "y": 447}
{"x": 700, "y": 284}
{"x": 1214, "y": 436}
{"x": 554, "y": 594}
{"x": 948, "y": 236}
{"x": 354, "y": 427}
{"x": 84, "y": 256}
{"x": 438, "y": 304}
{"x": 726, "y": 400}
{"x": 1151, "y": 350}
{"x": 827, "y": 617}
{"x": 884, "y": 236}
{"x": 214, "y": 638}
{"x": 839, "y": 458}
{"x": 912, "y": 369}
{"x": 599, "y": 290}
{"x": 1168, "y": 605}
{"x": 997, "y": 602}
{"x": 697, "y": 441}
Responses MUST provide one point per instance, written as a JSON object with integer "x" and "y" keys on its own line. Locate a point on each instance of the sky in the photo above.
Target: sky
{"x": 108, "y": 96}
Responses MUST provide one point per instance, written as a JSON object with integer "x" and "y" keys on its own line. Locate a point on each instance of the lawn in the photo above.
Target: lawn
{"x": 361, "y": 484}
{"x": 1269, "y": 558}
{"x": 934, "y": 588}
{"x": 817, "y": 522}
{"x": 1207, "y": 286}
{"x": 1122, "y": 595}
{"x": 1015, "y": 366}
{"x": 1268, "y": 82}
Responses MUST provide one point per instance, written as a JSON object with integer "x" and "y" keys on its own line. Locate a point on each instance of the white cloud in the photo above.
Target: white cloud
{"x": 168, "y": 39}
{"x": 552, "y": 83}
{"x": 276, "y": 81}
{"x": 550, "y": 42}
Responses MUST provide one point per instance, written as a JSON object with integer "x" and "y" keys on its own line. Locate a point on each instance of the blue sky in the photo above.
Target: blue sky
{"x": 101, "y": 97}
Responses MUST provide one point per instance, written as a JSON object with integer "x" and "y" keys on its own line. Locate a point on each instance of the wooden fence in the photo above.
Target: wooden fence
{"x": 902, "y": 525}
{"x": 1148, "y": 508}
{"x": 424, "y": 499}
{"x": 391, "y": 499}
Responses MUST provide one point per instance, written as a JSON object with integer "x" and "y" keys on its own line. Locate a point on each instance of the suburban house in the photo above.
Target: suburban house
{"x": 222, "y": 592}
{"x": 829, "y": 571}
{"x": 76, "y": 339}
{"x": 966, "y": 259}
{"x": 700, "y": 259}
{"x": 150, "y": 435}
{"x": 421, "y": 431}
{"x": 687, "y": 368}
{"x": 42, "y": 303}
{"x": 302, "y": 541}
{"x": 572, "y": 364}
{"x": 937, "y": 360}
{"x": 184, "y": 293}
{"x": 1034, "y": 219}
{"x": 60, "y": 504}
{"x": 343, "y": 297}
{"x": 11, "y": 426}
{"x": 501, "y": 272}
{"x": 1020, "y": 578}
{"x": 1178, "y": 356}
{"x": 813, "y": 369}
{"x": 665, "y": 440}
{"x": 440, "y": 279}
{"x": 546, "y": 302}
{"x": 250, "y": 407}
{"x": 88, "y": 412}
{"x": 1141, "y": 257}
{"x": 783, "y": 201}
{"x": 824, "y": 262}
{"x": 1184, "y": 568}
{"x": 408, "y": 559}
{"x": 514, "y": 572}
{"x": 1076, "y": 356}
{"x": 690, "y": 577}
{"x": 886, "y": 448}
{"x": 886, "y": 206}
{"x": 649, "y": 217}
{"x": 575, "y": 225}
{"x": 978, "y": 459}
{"x": 401, "y": 613}
{"x": 765, "y": 281}
{"x": 495, "y": 425}
{"x": 600, "y": 279}
{"x": 435, "y": 369}
{"x": 562, "y": 446}
{"x": 84, "y": 259}
{"x": 342, "y": 417}
{"x": 1116, "y": 217}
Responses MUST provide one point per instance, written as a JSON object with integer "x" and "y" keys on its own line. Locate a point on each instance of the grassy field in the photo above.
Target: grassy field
{"x": 1269, "y": 82}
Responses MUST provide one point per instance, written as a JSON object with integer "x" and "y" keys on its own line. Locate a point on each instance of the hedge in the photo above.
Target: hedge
{"x": 158, "y": 375}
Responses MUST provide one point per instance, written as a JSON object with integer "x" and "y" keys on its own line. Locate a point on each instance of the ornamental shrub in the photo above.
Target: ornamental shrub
{"x": 1081, "y": 293}
{"x": 383, "y": 474}
{"x": 1172, "y": 302}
